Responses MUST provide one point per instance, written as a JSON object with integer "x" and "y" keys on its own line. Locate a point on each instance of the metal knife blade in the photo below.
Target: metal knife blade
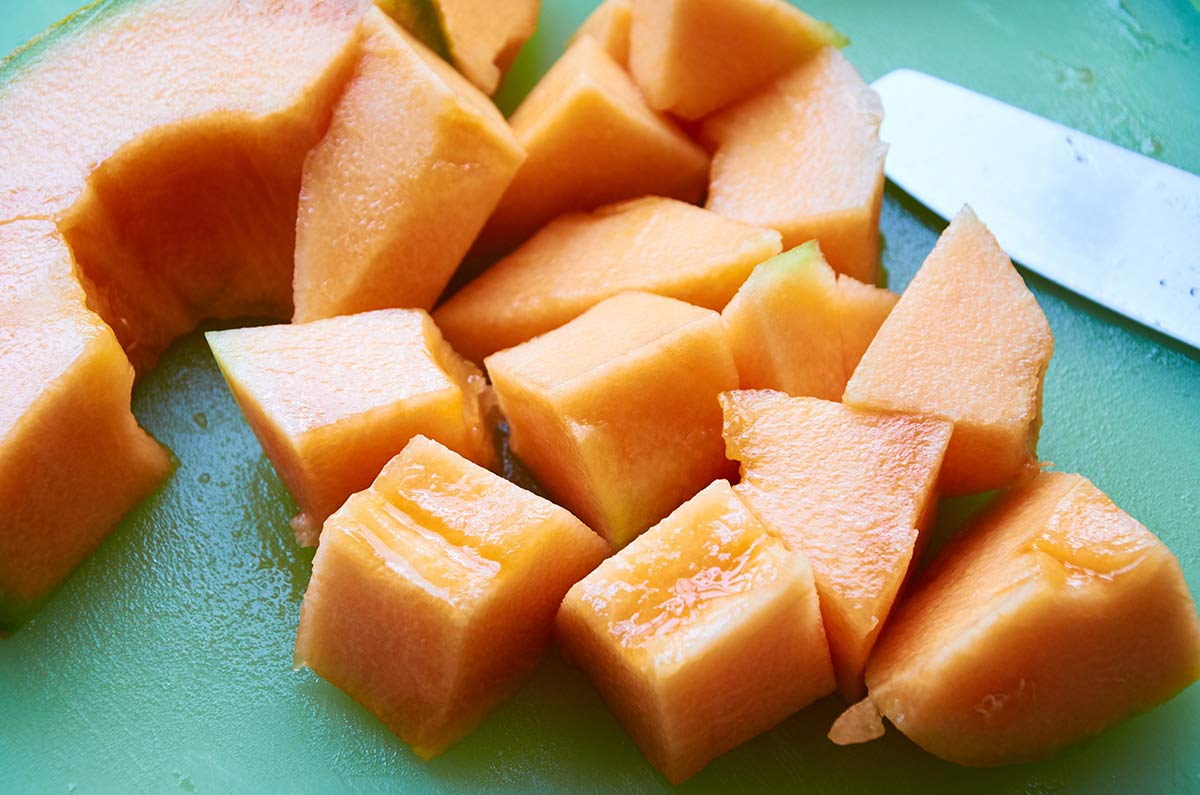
{"x": 1110, "y": 224}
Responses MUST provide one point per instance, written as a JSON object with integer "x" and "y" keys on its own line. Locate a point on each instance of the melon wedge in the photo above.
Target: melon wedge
{"x": 798, "y": 327}
{"x": 803, "y": 156}
{"x": 72, "y": 458}
{"x": 609, "y": 25}
{"x": 420, "y": 153}
{"x": 331, "y": 401}
{"x": 967, "y": 341}
{"x": 702, "y": 633}
{"x": 616, "y": 412}
{"x": 1054, "y": 617}
{"x": 658, "y": 245}
{"x": 691, "y": 57}
{"x": 591, "y": 140}
{"x": 434, "y": 591}
{"x": 852, "y": 490}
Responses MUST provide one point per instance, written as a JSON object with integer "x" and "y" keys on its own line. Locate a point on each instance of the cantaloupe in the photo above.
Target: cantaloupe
{"x": 691, "y": 57}
{"x": 658, "y": 245}
{"x": 331, "y": 401}
{"x": 798, "y": 327}
{"x": 803, "y": 156}
{"x": 393, "y": 196}
{"x": 967, "y": 341}
{"x": 1051, "y": 619}
{"x": 591, "y": 140}
{"x": 434, "y": 592}
{"x": 702, "y": 633}
{"x": 616, "y": 412}
{"x": 609, "y": 25}
{"x": 853, "y": 490}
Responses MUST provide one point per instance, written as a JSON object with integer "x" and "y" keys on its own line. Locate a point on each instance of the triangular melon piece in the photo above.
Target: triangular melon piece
{"x": 609, "y": 25}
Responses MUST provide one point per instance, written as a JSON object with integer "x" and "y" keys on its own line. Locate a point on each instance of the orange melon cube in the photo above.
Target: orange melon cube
{"x": 798, "y": 327}
{"x": 331, "y": 401}
{"x": 702, "y": 633}
{"x": 422, "y": 154}
{"x": 609, "y": 25}
{"x": 591, "y": 140}
{"x": 1051, "y": 619}
{"x": 434, "y": 591}
{"x": 616, "y": 412}
{"x": 658, "y": 245}
{"x": 853, "y": 490}
{"x": 691, "y": 57}
{"x": 834, "y": 190}
{"x": 967, "y": 341}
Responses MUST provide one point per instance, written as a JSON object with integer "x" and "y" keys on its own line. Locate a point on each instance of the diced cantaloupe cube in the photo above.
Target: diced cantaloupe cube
{"x": 609, "y": 25}
{"x": 590, "y": 140}
{"x": 853, "y": 490}
{"x": 434, "y": 591}
{"x": 702, "y": 633}
{"x": 658, "y": 245}
{"x": 1051, "y": 619}
{"x": 691, "y": 57}
{"x": 803, "y": 156}
{"x": 967, "y": 341}
{"x": 616, "y": 412}
{"x": 331, "y": 401}
{"x": 798, "y": 327}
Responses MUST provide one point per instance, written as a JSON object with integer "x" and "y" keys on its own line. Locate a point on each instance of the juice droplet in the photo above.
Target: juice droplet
{"x": 204, "y": 477}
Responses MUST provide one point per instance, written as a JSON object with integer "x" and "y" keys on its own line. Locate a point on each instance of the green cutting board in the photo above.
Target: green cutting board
{"x": 165, "y": 661}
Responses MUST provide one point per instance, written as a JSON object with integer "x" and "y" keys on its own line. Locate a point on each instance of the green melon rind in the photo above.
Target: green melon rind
{"x": 782, "y": 265}
{"x": 31, "y": 52}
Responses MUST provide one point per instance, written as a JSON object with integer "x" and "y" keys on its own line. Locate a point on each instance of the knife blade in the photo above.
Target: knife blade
{"x": 1112, "y": 225}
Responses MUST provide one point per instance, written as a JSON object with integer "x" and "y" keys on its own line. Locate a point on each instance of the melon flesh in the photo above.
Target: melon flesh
{"x": 72, "y": 458}
{"x": 658, "y": 245}
{"x": 1054, "y": 617}
{"x": 803, "y": 156}
{"x": 333, "y": 400}
{"x": 392, "y": 197}
{"x": 616, "y": 412}
{"x": 798, "y": 327}
{"x": 967, "y": 341}
{"x": 852, "y": 490}
{"x": 434, "y": 591}
{"x": 591, "y": 140}
{"x": 609, "y": 25}
{"x": 702, "y": 633}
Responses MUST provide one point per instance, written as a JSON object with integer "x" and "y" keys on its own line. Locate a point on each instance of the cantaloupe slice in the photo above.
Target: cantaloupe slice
{"x": 331, "y": 401}
{"x": 691, "y": 57}
{"x": 658, "y": 245}
{"x": 616, "y": 412}
{"x": 1053, "y": 618}
{"x": 853, "y": 490}
{"x": 72, "y": 458}
{"x": 967, "y": 341}
{"x": 798, "y": 327}
{"x": 433, "y": 593}
{"x": 702, "y": 633}
{"x": 591, "y": 140}
{"x": 392, "y": 197}
{"x": 803, "y": 156}
{"x": 609, "y": 25}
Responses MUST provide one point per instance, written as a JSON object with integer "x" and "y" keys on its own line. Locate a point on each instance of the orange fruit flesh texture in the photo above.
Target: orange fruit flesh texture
{"x": 484, "y": 36}
{"x": 798, "y": 327}
{"x": 610, "y": 26}
{"x": 591, "y": 140}
{"x": 616, "y": 412}
{"x": 968, "y": 342}
{"x": 72, "y": 458}
{"x": 852, "y": 490}
{"x": 691, "y": 57}
{"x": 803, "y": 156}
{"x": 332, "y": 401}
{"x": 416, "y": 149}
{"x": 182, "y": 204}
{"x": 433, "y": 592}
{"x": 702, "y": 633}
{"x": 658, "y": 245}
{"x": 1054, "y": 617}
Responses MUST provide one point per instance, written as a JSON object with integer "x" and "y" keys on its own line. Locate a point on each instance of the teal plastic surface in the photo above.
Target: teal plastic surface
{"x": 164, "y": 663}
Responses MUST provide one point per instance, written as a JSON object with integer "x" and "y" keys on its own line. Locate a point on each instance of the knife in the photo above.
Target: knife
{"x": 1110, "y": 224}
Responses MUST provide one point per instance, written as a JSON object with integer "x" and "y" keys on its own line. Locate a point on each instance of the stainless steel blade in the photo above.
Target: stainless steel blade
{"x": 1110, "y": 224}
